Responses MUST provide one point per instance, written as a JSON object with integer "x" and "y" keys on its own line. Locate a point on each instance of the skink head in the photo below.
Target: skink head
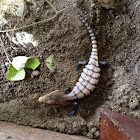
{"x": 55, "y": 99}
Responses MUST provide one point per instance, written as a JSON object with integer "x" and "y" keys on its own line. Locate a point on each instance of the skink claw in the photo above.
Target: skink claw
{"x": 71, "y": 113}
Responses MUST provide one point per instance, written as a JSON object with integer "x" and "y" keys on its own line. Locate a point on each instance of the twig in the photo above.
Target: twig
{"x": 52, "y": 6}
{"x": 4, "y": 50}
{"x": 42, "y": 21}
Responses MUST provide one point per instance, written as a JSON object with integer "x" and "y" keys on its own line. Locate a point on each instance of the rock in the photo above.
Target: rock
{"x": 116, "y": 126}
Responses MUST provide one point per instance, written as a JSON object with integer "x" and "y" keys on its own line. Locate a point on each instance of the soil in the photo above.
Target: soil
{"x": 117, "y": 34}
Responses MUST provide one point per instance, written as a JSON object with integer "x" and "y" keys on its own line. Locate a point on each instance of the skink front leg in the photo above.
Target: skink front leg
{"x": 103, "y": 63}
{"x": 68, "y": 90}
{"x": 81, "y": 63}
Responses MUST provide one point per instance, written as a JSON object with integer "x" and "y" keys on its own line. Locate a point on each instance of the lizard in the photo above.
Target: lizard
{"x": 86, "y": 83}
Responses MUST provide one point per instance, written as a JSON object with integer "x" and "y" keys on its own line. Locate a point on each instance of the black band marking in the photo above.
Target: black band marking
{"x": 93, "y": 58}
{"x": 88, "y": 81}
{"x": 92, "y": 70}
{"x": 95, "y": 51}
{"x": 94, "y": 65}
{"x": 95, "y": 78}
{"x": 80, "y": 90}
{"x": 92, "y": 36}
{"x": 84, "y": 86}
{"x": 75, "y": 94}
{"x": 94, "y": 54}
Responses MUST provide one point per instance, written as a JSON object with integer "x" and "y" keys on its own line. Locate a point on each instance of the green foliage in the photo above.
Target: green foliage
{"x": 15, "y": 75}
{"x": 49, "y": 62}
{"x": 16, "y": 71}
{"x": 32, "y": 63}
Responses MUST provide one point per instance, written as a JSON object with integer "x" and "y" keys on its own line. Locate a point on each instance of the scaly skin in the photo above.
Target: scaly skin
{"x": 56, "y": 98}
{"x": 87, "y": 82}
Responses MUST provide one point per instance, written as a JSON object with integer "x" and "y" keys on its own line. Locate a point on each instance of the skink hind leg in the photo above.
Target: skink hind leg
{"x": 81, "y": 63}
{"x": 75, "y": 105}
{"x": 105, "y": 64}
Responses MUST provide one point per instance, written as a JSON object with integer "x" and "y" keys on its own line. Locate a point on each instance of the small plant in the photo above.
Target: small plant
{"x": 49, "y": 62}
{"x": 16, "y": 71}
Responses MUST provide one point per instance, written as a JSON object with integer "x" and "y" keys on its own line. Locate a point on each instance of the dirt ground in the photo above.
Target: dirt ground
{"x": 117, "y": 31}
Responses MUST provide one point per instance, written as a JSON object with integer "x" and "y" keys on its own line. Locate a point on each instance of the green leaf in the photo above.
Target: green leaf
{"x": 32, "y": 63}
{"x": 15, "y": 75}
{"x": 49, "y": 62}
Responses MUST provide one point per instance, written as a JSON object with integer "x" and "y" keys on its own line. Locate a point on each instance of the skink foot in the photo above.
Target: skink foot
{"x": 71, "y": 113}
{"x": 75, "y": 105}
{"x": 81, "y": 63}
{"x": 105, "y": 64}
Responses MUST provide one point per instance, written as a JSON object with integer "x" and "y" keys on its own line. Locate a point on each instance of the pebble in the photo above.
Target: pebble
{"x": 35, "y": 73}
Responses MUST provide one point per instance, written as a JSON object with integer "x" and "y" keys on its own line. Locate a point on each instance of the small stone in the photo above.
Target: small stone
{"x": 90, "y": 125}
{"x": 35, "y": 73}
{"x": 89, "y": 135}
{"x": 133, "y": 104}
{"x": 97, "y": 134}
{"x": 93, "y": 130}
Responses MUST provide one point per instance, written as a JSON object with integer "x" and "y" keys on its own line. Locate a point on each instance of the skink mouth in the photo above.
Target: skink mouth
{"x": 43, "y": 100}
{"x": 40, "y": 99}
{"x": 55, "y": 105}
{"x": 48, "y": 102}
